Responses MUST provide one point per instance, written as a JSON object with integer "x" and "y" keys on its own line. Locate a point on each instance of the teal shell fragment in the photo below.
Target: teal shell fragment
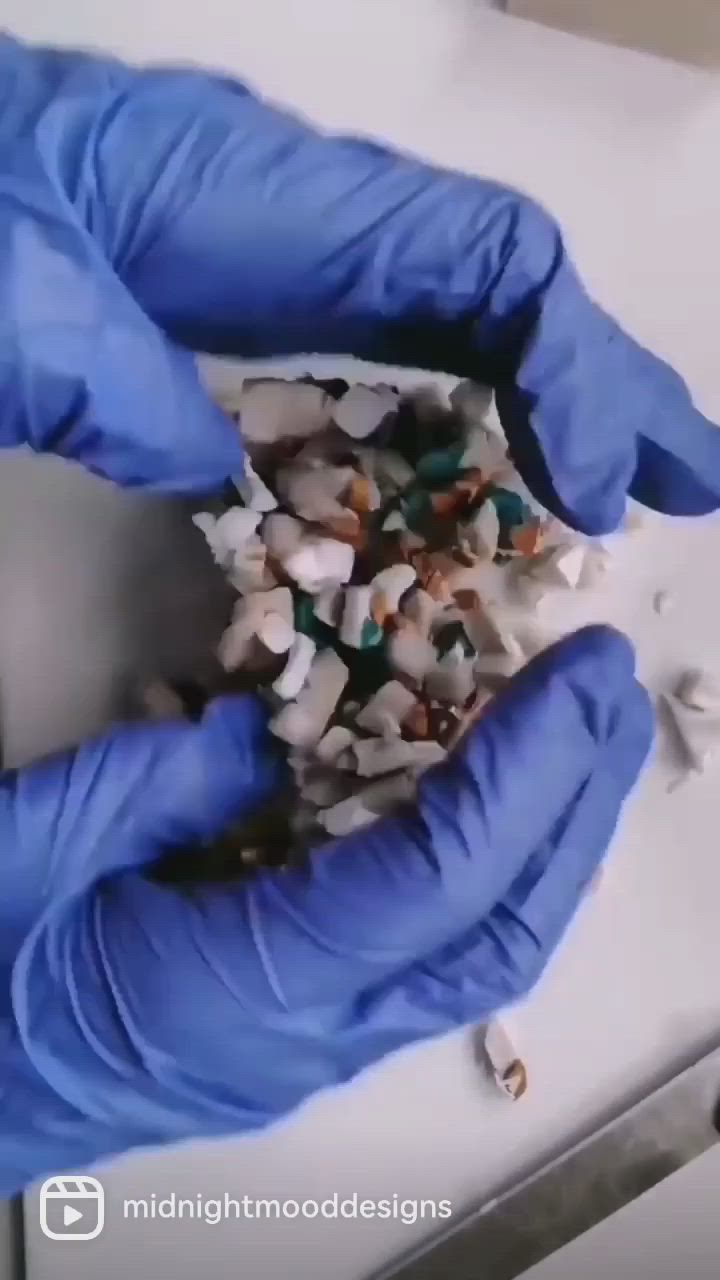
{"x": 371, "y": 634}
{"x": 416, "y": 508}
{"x": 441, "y": 466}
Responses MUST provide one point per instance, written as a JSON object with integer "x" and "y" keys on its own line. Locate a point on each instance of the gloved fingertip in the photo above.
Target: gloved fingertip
{"x": 594, "y": 647}
{"x": 669, "y": 484}
{"x": 218, "y": 771}
{"x": 597, "y": 662}
{"x": 588, "y": 497}
{"x": 234, "y": 731}
{"x": 571, "y": 435}
{"x": 241, "y": 718}
{"x": 677, "y": 469}
{"x": 571, "y": 693}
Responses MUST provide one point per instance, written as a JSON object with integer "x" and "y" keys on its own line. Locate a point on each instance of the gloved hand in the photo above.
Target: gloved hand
{"x": 135, "y": 1014}
{"x": 132, "y": 197}
{"x": 141, "y": 1014}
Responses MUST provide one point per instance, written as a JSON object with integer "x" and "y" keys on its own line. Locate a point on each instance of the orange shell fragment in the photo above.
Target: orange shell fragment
{"x": 447, "y": 502}
{"x": 417, "y": 722}
{"x": 345, "y": 527}
{"x": 527, "y": 538}
{"x": 379, "y": 609}
{"x": 358, "y": 498}
{"x": 466, "y": 599}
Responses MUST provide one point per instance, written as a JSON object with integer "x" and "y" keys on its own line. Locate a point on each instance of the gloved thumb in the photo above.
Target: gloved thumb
{"x": 121, "y": 800}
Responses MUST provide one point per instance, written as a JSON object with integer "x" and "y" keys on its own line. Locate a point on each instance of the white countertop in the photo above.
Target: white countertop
{"x": 624, "y": 150}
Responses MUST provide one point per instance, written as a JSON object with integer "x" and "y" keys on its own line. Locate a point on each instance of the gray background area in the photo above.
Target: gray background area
{"x": 673, "y": 1231}
{"x": 100, "y": 591}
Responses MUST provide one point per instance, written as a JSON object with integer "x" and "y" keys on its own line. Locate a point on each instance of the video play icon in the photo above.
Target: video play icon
{"x": 72, "y": 1207}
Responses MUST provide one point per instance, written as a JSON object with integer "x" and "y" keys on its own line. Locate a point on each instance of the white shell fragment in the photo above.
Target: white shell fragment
{"x": 568, "y": 564}
{"x": 422, "y": 609}
{"x": 249, "y": 571}
{"x": 325, "y": 790}
{"x": 699, "y": 732}
{"x": 483, "y": 531}
{"x": 234, "y": 646}
{"x": 374, "y": 756}
{"x": 367, "y": 805}
{"x": 328, "y": 605}
{"x": 486, "y": 451}
{"x": 381, "y": 796}
{"x": 279, "y": 600}
{"x": 410, "y": 653}
{"x": 387, "y": 709}
{"x": 346, "y": 816}
{"x": 663, "y": 603}
{"x": 425, "y": 755}
{"x": 313, "y": 491}
{"x": 282, "y": 534}
{"x": 276, "y": 633}
{"x": 695, "y": 711}
{"x": 295, "y": 673}
{"x": 502, "y": 665}
{"x": 205, "y": 522}
{"x": 228, "y": 535}
{"x": 453, "y": 679}
{"x": 391, "y": 471}
{"x": 318, "y": 563}
{"x": 272, "y": 410}
{"x": 489, "y": 633}
{"x": 253, "y": 490}
{"x": 304, "y": 721}
{"x": 471, "y": 399}
{"x": 356, "y": 612}
{"x": 394, "y": 520}
{"x": 699, "y": 690}
{"x": 384, "y": 755}
{"x": 361, "y": 410}
{"x": 429, "y": 399}
{"x": 335, "y": 741}
{"x": 392, "y": 584}
{"x": 560, "y": 566}
{"x": 247, "y": 620}
{"x": 507, "y": 1067}
{"x": 300, "y": 763}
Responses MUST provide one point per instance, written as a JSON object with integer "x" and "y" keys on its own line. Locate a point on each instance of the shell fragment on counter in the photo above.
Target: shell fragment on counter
{"x": 508, "y": 1068}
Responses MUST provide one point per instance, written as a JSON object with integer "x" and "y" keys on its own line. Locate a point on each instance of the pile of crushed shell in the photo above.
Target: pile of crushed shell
{"x": 356, "y": 540}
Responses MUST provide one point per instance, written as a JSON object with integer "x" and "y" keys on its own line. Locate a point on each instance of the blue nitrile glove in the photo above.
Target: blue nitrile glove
{"x": 143, "y": 1015}
{"x": 114, "y": 803}
{"x": 135, "y": 1014}
{"x": 170, "y": 196}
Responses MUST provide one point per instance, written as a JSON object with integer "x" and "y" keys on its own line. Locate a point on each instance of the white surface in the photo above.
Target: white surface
{"x": 624, "y": 150}
{"x": 671, "y": 1231}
